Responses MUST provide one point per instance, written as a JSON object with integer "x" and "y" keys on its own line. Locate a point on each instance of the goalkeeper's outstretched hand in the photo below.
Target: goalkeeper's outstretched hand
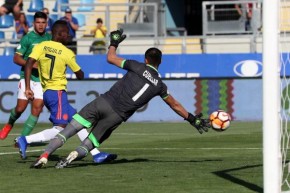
{"x": 116, "y": 37}
{"x": 198, "y": 122}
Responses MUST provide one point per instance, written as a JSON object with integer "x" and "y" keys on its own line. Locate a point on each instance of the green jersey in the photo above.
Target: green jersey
{"x": 25, "y": 48}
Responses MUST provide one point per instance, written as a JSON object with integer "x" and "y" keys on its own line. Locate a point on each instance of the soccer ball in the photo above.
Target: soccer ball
{"x": 220, "y": 120}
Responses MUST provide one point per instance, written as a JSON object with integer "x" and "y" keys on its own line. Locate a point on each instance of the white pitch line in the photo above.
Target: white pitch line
{"x": 9, "y": 153}
{"x": 187, "y": 148}
{"x": 165, "y": 148}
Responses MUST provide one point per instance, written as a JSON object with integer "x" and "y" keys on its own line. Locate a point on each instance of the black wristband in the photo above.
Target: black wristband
{"x": 191, "y": 118}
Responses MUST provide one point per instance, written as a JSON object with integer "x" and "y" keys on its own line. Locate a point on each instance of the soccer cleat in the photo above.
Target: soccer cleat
{"x": 16, "y": 142}
{"x": 5, "y": 131}
{"x": 40, "y": 162}
{"x": 103, "y": 157}
{"x": 64, "y": 163}
{"x": 22, "y": 145}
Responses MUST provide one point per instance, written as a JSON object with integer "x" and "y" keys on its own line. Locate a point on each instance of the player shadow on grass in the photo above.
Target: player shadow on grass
{"x": 84, "y": 163}
{"x": 226, "y": 175}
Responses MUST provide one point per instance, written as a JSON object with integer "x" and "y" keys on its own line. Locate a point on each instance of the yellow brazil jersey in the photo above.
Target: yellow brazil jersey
{"x": 53, "y": 58}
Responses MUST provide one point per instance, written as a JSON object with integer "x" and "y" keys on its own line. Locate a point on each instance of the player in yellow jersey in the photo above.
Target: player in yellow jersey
{"x": 53, "y": 57}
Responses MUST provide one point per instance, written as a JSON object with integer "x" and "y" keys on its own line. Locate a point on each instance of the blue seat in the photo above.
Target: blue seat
{"x": 6, "y": 21}
{"x": 9, "y": 51}
{"x": 35, "y": 5}
{"x": 30, "y": 19}
{"x": 54, "y": 17}
{"x": 62, "y": 7}
{"x": 86, "y": 5}
{"x": 2, "y": 36}
{"x": 81, "y": 19}
{"x": 15, "y": 39}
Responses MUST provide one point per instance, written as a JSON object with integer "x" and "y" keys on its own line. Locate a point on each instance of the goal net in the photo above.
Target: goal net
{"x": 284, "y": 51}
{"x": 276, "y": 95}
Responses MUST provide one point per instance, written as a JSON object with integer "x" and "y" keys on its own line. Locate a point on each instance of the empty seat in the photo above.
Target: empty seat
{"x": 15, "y": 39}
{"x": 30, "y": 19}
{"x": 9, "y": 51}
{"x": 54, "y": 17}
{"x": 6, "y": 21}
{"x": 81, "y": 19}
{"x": 60, "y": 3}
{"x": 2, "y": 36}
{"x": 35, "y": 5}
{"x": 86, "y": 5}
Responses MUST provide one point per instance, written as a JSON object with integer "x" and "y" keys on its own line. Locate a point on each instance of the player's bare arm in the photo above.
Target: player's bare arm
{"x": 176, "y": 106}
{"x": 27, "y": 73}
{"x": 197, "y": 121}
{"x": 116, "y": 37}
{"x": 18, "y": 59}
{"x": 112, "y": 57}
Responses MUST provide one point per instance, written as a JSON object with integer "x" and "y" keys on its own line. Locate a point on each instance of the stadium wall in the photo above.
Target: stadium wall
{"x": 240, "y": 97}
{"x": 173, "y": 66}
{"x": 201, "y": 82}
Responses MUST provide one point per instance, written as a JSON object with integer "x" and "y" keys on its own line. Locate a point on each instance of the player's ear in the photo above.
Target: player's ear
{"x": 146, "y": 61}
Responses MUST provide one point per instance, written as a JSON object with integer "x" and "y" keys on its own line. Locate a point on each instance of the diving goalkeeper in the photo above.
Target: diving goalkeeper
{"x": 104, "y": 114}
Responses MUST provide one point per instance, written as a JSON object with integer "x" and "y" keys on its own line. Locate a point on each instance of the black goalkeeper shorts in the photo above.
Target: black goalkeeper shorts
{"x": 103, "y": 118}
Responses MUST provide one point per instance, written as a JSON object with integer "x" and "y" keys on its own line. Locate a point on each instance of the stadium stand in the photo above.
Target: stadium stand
{"x": 14, "y": 39}
{"x": 81, "y": 19}
{"x": 35, "y": 5}
{"x": 86, "y": 5}
{"x": 117, "y": 13}
{"x": 62, "y": 7}
{"x": 30, "y": 19}
{"x": 6, "y": 21}
{"x": 8, "y": 51}
{"x": 2, "y": 36}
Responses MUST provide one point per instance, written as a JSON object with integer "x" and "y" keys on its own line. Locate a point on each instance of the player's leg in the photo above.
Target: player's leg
{"x": 16, "y": 112}
{"x": 71, "y": 129}
{"x": 90, "y": 114}
{"x": 58, "y": 116}
{"x": 100, "y": 132}
{"x": 36, "y": 108}
{"x": 42, "y": 136}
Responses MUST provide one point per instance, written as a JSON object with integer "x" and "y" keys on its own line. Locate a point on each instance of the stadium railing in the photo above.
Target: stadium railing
{"x": 122, "y": 14}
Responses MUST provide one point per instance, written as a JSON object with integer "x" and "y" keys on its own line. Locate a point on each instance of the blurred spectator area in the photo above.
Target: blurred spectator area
{"x": 145, "y": 23}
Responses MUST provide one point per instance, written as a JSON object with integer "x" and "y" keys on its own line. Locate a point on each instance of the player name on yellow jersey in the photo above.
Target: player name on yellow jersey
{"x": 52, "y": 50}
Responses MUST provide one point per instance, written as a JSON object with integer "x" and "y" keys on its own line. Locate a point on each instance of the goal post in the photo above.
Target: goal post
{"x": 272, "y": 166}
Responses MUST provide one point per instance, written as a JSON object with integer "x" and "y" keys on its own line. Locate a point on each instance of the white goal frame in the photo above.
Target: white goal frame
{"x": 272, "y": 162}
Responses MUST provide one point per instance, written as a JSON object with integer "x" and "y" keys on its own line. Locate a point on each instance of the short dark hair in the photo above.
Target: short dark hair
{"x": 58, "y": 23}
{"x": 40, "y": 14}
{"x": 153, "y": 56}
{"x": 99, "y": 20}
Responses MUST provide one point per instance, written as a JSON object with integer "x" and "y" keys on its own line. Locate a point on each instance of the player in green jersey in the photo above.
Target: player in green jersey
{"x": 22, "y": 52}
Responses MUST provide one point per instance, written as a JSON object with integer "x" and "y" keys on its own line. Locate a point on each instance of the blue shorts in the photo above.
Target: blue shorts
{"x": 56, "y": 102}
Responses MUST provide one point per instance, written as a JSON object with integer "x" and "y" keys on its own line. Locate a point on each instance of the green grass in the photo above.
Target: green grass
{"x": 152, "y": 158}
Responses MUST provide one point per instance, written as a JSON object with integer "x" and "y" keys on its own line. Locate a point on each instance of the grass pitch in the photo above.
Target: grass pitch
{"x": 152, "y": 158}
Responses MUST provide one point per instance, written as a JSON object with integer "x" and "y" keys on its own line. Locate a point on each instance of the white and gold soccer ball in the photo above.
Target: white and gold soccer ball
{"x": 220, "y": 120}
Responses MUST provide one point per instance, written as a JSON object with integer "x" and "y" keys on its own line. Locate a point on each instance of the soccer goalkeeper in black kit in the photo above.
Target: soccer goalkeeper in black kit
{"x": 104, "y": 114}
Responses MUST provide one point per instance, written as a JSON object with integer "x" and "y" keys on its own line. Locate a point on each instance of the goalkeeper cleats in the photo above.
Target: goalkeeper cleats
{"x": 103, "y": 157}
{"x": 40, "y": 162}
{"x": 22, "y": 145}
{"x": 5, "y": 131}
{"x": 64, "y": 163}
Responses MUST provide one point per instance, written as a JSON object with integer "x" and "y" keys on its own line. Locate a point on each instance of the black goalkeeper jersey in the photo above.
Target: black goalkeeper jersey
{"x": 137, "y": 87}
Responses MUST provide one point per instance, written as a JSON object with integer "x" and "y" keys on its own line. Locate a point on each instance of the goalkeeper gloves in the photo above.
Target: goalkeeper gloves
{"x": 198, "y": 122}
{"x": 116, "y": 37}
